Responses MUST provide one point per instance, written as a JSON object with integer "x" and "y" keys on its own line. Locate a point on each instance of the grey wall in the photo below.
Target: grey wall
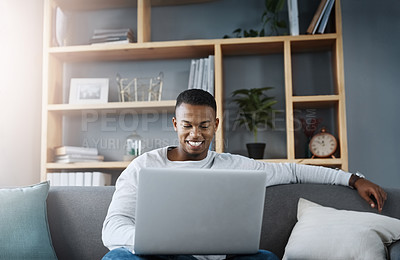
{"x": 371, "y": 34}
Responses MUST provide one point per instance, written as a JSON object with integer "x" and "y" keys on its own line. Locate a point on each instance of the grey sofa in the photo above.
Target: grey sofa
{"x": 76, "y": 215}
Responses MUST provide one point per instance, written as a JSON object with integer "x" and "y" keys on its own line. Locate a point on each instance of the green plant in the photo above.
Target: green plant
{"x": 269, "y": 17}
{"x": 255, "y": 108}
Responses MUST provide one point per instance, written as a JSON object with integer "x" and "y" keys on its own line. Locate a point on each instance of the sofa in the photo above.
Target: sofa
{"x": 76, "y": 215}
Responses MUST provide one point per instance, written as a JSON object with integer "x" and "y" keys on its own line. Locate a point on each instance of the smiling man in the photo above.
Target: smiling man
{"x": 195, "y": 122}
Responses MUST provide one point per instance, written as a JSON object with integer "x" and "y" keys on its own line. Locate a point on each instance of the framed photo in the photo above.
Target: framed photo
{"x": 88, "y": 91}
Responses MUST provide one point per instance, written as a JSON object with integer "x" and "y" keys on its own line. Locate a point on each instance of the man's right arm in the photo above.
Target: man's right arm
{"x": 119, "y": 225}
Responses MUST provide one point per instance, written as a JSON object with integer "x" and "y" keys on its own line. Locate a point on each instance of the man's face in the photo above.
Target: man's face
{"x": 195, "y": 126}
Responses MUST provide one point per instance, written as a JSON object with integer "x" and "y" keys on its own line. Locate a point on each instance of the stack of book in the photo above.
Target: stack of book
{"x": 79, "y": 178}
{"x": 110, "y": 36}
{"x": 71, "y": 154}
{"x": 201, "y": 75}
{"x": 321, "y": 16}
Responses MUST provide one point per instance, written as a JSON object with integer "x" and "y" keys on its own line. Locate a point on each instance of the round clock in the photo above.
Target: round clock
{"x": 323, "y": 144}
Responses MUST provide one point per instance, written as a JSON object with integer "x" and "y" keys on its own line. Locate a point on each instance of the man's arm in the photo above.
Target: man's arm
{"x": 119, "y": 225}
{"x": 368, "y": 191}
{"x": 282, "y": 173}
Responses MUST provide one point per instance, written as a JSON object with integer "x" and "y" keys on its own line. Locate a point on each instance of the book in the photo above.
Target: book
{"x": 200, "y": 77}
{"x": 72, "y": 179}
{"x": 110, "y": 39}
{"x": 101, "y": 179}
{"x": 317, "y": 17}
{"x": 210, "y": 87}
{"x": 191, "y": 73}
{"x": 87, "y": 176}
{"x": 112, "y": 42}
{"x": 63, "y": 150}
{"x": 293, "y": 17}
{"x": 324, "y": 20}
{"x": 56, "y": 178}
{"x": 126, "y": 34}
{"x": 204, "y": 82}
{"x": 79, "y": 179}
{"x": 72, "y": 160}
{"x": 64, "y": 180}
{"x": 111, "y": 31}
{"x": 80, "y": 157}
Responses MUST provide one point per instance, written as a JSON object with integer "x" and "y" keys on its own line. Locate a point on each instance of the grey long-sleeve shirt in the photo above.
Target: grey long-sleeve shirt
{"x": 119, "y": 225}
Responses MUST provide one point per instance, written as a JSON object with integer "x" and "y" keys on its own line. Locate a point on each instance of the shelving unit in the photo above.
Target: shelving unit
{"x": 54, "y": 58}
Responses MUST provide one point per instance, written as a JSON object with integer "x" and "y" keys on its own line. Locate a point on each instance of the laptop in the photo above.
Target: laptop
{"x": 199, "y": 211}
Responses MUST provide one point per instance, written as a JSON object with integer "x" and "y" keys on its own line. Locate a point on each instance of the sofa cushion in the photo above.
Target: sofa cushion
{"x": 24, "y": 231}
{"x": 328, "y": 233}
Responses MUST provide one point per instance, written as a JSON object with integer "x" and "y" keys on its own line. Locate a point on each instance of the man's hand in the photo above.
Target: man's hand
{"x": 366, "y": 189}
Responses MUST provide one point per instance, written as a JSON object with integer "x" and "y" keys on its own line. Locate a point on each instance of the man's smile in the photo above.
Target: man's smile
{"x": 194, "y": 143}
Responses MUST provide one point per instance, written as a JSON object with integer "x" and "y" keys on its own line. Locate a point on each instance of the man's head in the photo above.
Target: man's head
{"x": 195, "y": 123}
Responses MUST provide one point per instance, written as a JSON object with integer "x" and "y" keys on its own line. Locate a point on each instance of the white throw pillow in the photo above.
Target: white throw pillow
{"x": 328, "y": 233}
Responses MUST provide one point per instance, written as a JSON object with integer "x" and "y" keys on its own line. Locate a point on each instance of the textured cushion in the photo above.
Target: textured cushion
{"x": 24, "y": 231}
{"x": 328, "y": 233}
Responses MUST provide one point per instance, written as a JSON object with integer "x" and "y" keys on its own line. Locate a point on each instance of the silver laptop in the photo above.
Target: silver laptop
{"x": 199, "y": 211}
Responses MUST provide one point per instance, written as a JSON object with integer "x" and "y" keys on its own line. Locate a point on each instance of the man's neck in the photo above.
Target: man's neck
{"x": 177, "y": 154}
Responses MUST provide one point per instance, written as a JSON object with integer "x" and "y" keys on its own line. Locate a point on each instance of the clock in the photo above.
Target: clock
{"x": 323, "y": 145}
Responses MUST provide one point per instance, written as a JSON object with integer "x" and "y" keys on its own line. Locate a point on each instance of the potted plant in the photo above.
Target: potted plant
{"x": 270, "y": 17}
{"x": 255, "y": 111}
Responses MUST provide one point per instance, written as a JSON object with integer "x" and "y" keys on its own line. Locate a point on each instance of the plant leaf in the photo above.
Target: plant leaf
{"x": 279, "y": 5}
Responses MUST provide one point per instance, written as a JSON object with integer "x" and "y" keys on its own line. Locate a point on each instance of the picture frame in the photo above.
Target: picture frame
{"x": 88, "y": 91}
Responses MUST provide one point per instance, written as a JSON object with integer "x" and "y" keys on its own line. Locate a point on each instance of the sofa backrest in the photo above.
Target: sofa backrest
{"x": 76, "y": 215}
{"x": 280, "y": 211}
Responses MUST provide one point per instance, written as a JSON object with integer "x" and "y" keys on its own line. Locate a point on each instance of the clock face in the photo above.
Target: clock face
{"x": 323, "y": 145}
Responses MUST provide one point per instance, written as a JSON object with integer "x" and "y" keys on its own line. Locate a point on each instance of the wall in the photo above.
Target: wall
{"x": 372, "y": 62}
{"x": 370, "y": 58}
{"x": 20, "y": 90}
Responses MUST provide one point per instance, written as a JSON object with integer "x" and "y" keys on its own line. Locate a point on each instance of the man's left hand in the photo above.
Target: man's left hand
{"x": 367, "y": 189}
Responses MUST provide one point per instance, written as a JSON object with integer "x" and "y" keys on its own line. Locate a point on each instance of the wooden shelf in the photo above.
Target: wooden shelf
{"x": 134, "y": 51}
{"x": 123, "y": 165}
{"x": 86, "y": 5}
{"x": 188, "y": 49}
{"x": 142, "y": 107}
{"x": 317, "y": 101}
{"x": 87, "y": 165}
{"x": 317, "y": 161}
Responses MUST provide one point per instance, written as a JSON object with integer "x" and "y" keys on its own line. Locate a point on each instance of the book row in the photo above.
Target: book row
{"x": 318, "y": 23}
{"x": 79, "y": 178}
{"x": 71, "y": 154}
{"x": 201, "y": 75}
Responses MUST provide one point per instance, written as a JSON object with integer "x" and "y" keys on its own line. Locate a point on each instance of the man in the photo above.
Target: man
{"x": 195, "y": 123}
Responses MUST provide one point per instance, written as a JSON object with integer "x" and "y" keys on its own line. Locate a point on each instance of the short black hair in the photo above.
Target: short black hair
{"x": 196, "y": 97}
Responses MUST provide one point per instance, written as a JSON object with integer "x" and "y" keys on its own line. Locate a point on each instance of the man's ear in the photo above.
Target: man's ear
{"x": 174, "y": 123}
{"x": 216, "y": 124}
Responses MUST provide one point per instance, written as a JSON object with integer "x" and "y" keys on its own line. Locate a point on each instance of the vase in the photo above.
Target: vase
{"x": 256, "y": 150}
